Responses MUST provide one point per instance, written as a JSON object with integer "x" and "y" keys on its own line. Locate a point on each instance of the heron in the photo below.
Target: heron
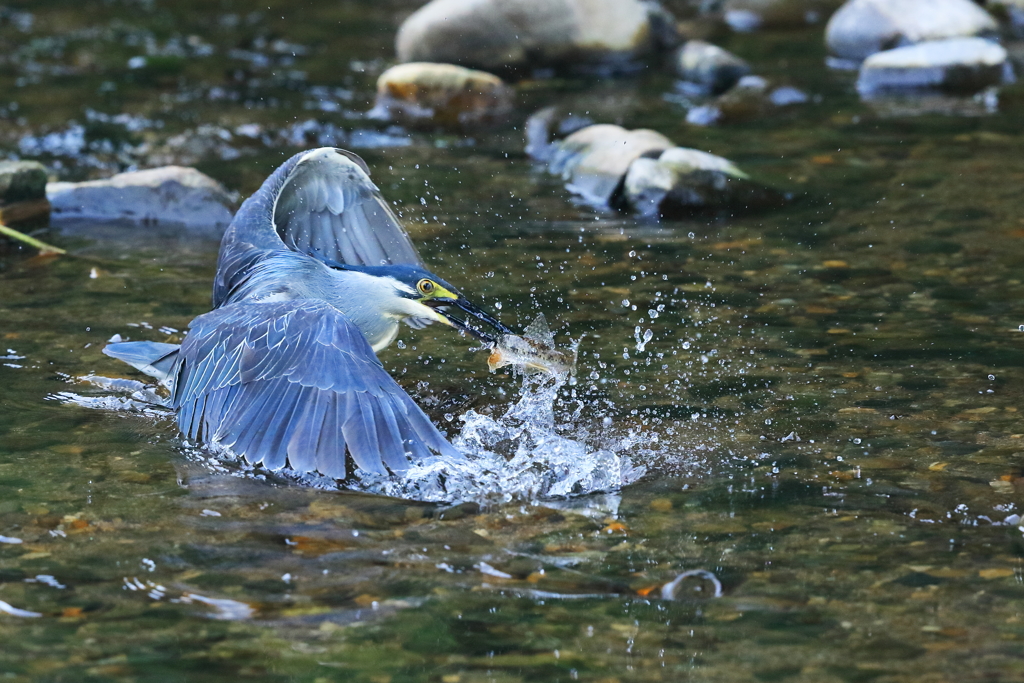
{"x": 315, "y": 276}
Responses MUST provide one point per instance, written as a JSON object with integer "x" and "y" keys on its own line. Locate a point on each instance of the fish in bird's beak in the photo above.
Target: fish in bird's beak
{"x": 441, "y": 304}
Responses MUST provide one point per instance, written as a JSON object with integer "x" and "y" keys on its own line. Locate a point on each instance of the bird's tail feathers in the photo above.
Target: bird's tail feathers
{"x": 153, "y": 358}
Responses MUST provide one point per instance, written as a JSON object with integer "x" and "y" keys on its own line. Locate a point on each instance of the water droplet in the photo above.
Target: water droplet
{"x": 686, "y": 345}
{"x": 856, "y": 441}
{"x": 992, "y": 377}
{"x": 497, "y": 305}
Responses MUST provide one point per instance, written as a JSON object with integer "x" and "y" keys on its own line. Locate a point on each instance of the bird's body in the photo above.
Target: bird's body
{"x": 315, "y": 275}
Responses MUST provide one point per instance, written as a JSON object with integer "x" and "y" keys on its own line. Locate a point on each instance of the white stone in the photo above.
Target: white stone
{"x": 499, "y": 35}
{"x": 863, "y": 27}
{"x": 169, "y": 194}
{"x": 595, "y": 159}
{"x": 968, "y": 64}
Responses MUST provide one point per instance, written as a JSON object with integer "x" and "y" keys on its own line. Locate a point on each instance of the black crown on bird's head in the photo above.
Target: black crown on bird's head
{"x": 423, "y": 283}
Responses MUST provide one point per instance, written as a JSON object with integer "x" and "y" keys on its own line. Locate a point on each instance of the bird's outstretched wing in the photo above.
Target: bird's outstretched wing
{"x": 330, "y": 208}
{"x": 321, "y": 203}
{"x": 296, "y": 382}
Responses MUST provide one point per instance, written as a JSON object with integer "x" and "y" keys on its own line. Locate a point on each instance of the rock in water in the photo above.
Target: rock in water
{"x": 169, "y": 194}
{"x": 23, "y": 193}
{"x": 443, "y": 95}
{"x": 964, "y": 65}
{"x": 684, "y": 181}
{"x": 517, "y": 35}
{"x": 709, "y": 66}
{"x": 594, "y": 160}
{"x": 863, "y": 27}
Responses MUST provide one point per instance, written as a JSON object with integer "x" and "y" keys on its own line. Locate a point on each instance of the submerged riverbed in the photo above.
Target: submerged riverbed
{"x": 827, "y": 407}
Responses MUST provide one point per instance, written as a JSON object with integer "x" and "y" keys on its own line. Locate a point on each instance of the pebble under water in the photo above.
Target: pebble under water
{"x": 814, "y": 409}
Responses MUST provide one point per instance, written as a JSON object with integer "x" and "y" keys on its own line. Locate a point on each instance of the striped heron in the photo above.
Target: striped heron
{"x": 315, "y": 275}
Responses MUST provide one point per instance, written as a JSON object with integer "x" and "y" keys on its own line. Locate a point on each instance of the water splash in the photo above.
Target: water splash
{"x": 524, "y": 454}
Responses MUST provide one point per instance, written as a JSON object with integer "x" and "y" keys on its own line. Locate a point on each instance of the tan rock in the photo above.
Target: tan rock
{"x": 443, "y": 94}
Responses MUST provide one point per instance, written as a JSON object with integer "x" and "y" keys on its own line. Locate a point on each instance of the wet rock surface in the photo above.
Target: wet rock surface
{"x": 171, "y": 194}
{"x": 709, "y": 67}
{"x": 963, "y": 65}
{"x": 863, "y": 27}
{"x": 682, "y": 182}
{"x": 23, "y": 192}
{"x": 519, "y": 35}
{"x": 423, "y": 93}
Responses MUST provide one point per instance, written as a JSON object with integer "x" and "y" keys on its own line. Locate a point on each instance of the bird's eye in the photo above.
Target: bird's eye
{"x": 425, "y": 286}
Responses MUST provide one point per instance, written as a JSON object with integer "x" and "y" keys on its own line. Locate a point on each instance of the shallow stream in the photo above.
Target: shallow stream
{"x": 827, "y": 412}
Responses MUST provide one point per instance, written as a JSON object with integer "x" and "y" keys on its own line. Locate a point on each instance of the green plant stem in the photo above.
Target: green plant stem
{"x": 43, "y": 247}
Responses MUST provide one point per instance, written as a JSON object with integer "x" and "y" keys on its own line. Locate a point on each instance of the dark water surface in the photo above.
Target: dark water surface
{"x": 828, "y": 410}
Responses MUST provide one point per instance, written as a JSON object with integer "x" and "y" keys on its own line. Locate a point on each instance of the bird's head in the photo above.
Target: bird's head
{"x": 427, "y": 297}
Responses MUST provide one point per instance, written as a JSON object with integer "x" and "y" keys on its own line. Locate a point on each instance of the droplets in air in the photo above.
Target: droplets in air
{"x": 644, "y": 340}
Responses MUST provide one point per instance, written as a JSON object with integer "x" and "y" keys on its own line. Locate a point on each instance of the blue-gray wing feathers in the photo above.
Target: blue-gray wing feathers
{"x": 296, "y": 383}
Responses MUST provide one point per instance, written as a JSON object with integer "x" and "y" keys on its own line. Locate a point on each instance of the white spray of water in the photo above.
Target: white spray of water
{"x": 521, "y": 455}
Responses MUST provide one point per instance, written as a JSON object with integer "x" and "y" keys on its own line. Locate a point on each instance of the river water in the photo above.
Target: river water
{"x": 825, "y": 417}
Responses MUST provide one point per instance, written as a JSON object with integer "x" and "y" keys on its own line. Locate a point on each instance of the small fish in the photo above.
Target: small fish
{"x": 535, "y": 351}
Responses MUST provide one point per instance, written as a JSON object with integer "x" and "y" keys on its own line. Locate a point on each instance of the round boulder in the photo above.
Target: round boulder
{"x": 863, "y": 27}
{"x": 442, "y": 94}
{"x": 516, "y": 35}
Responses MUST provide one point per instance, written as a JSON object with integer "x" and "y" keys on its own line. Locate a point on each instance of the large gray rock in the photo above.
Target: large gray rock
{"x": 593, "y": 161}
{"x": 513, "y": 35}
{"x": 445, "y": 95}
{"x": 170, "y": 194}
{"x": 684, "y": 181}
{"x": 965, "y": 65}
{"x": 713, "y": 69}
{"x": 863, "y": 27}
{"x": 23, "y": 192}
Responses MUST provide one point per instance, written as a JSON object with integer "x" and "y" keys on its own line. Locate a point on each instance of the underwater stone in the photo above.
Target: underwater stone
{"x": 684, "y": 181}
{"x": 751, "y": 98}
{"x": 443, "y": 95}
{"x": 513, "y": 35}
{"x": 750, "y": 15}
{"x": 714, "y": 69}
{"x": 959, "y": 64}
{"x": 863, "y": 27}
{"x": 169, "y": 194}
{"x": 23, "y": 192}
